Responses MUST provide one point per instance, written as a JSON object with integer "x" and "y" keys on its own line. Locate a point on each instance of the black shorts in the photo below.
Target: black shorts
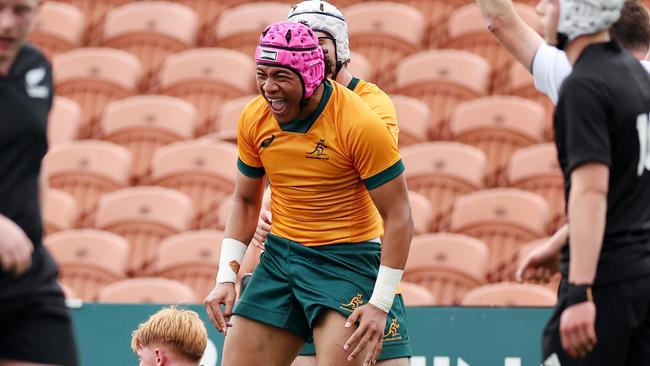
{"x": 37, "y": 329}
{"x": 622, "y": 327}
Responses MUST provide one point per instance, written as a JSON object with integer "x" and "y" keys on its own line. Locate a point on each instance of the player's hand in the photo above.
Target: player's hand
{"x": 15, "y": 248}
{"x": 577, "y": 329}
{"x": 263, "y": 228}
{"x": 222, "y": 294}
{"x": 539, "y": 265}
{"x": 369, "y": 333}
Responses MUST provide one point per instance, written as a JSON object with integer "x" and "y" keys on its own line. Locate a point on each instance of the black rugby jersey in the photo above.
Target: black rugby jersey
{"x": 25, "y": 99}
{"x": 603, "y": 115}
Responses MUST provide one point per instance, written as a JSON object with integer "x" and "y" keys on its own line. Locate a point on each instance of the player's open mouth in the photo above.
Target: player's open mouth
{"x": 6, "y": 42}
{"x": 277, "y": 105}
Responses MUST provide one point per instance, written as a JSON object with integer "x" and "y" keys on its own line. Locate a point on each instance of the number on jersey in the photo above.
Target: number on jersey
{"x": 643, "y": 128}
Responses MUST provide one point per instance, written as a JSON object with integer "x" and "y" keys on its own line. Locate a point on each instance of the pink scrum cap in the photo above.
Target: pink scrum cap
{"x": 293, "y": 46}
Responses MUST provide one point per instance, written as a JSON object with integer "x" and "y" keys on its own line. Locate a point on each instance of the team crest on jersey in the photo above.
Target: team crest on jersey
{"x": 319, "y": 152}
{"x": 354, "y": 303}
{"x": 393, "y": 333}
{"x": 33, "y": 78}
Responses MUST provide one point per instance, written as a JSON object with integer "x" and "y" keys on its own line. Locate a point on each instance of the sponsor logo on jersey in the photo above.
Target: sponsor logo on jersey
{"x": 267, "y": 141}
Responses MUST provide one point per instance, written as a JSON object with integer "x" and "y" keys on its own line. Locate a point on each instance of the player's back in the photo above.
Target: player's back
{"x": 322, "y": 167}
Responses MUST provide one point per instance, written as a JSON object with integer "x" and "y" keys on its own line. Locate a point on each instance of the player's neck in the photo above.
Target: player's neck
{"x": 639, "y": 54}
{"x": 574, "y": 48}
{"x": 344, "y": 77}
{"x": 313, "y": 103}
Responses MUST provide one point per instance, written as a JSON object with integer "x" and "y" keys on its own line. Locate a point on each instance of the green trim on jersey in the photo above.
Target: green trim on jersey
{"x": 250, "y": 171}
{"x": 353, "y": 83}
{"x": 384, "y": 177}
{"x": 302, "y": 126}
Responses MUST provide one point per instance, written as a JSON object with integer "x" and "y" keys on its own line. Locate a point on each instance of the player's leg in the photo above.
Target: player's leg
{"x": 330, "y": 335}
{"x": 37, "y": 330}
{"x": 305, "y": 361}
{"x": 614, "y": 314}
{"x": 269, "y": 326}
{"x": 253, "y": 343}
{"x": 639, "y": 352}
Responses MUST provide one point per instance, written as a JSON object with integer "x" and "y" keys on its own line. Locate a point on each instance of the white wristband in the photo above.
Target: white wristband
{"x": 232, "y": 254}
{"x": 385, "y": 287}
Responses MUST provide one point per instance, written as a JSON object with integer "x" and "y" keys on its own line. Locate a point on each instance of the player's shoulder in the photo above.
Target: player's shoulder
{"x": 347, "y": 102}
{"x": 29, "y": 58}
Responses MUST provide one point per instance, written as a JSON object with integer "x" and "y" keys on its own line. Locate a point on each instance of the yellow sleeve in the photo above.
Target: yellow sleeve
{"x": 249, "y": 162}
{"x": 373, "y": 150}
{"x": 385, "y": 109}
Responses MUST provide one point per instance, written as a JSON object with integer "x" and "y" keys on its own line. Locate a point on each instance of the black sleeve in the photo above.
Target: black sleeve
{"x": 584, "y": 108}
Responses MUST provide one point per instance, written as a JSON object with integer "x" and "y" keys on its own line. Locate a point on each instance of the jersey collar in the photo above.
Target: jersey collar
{"x": 303, "y": 125}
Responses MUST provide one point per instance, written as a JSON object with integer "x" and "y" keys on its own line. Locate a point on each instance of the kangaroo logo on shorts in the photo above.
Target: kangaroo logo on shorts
{"x": 354, "y": 303}
{"x": 393, "y": 333}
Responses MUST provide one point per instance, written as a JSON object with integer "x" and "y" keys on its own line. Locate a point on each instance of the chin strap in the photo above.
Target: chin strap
{"x": 562, "y": 41}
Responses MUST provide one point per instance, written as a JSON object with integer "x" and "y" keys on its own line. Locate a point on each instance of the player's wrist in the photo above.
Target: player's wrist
{"x": 576, "y": 294}
{"x": 386, "y": 285}
{"x": 230, "y": 259}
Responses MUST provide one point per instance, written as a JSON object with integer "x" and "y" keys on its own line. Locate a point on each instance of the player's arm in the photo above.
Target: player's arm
{"x": 516, "y": 36}
{"x": 583, "y": 108}
{"x": 543, "y": 261}
{"x": 392, "y": 202}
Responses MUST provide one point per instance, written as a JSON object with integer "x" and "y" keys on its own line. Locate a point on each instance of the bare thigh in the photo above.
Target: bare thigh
{"x": 253, "y": 343}
{"x": 305, "y": 361}
{"x": 330, "y": 334}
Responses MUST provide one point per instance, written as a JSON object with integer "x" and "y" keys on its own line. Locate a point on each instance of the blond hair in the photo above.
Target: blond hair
{"x": 180, "y": 329}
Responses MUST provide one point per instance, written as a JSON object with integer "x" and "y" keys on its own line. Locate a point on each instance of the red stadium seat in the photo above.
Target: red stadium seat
{"x": 148, "y": 291}
{"x": 64, "y": 121}
{"x": 59, "y": 211}
{"x": 413, "y": 117}
{"x": 510, "y": 294}
{"x": 58, "y": 28}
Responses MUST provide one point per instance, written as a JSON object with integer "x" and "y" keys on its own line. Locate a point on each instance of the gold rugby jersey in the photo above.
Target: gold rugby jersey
{"x": 321, "y": 168}
{"x": 379, "y": 102}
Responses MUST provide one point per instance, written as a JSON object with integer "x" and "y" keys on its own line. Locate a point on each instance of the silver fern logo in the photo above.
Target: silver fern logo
{"x": 33, "y": 79}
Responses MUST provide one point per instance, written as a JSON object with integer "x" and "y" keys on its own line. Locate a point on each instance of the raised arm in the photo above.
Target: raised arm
{"x": 516, "y": 36}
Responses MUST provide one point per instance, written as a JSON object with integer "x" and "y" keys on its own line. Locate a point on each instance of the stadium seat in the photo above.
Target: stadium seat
{"x": 466, "y": 30}
{"x": 499, "y": 126}
{"x": 442, "y": 79}
{"x": 360, "y": 67}
{"x": 239, "y": 28}
{"x": 94, "y": 12}
{"x": 503, "y": 218}
{"x": 422, "y": 212}
{"x": 207, "y": 77}
{"x": 205, "y": 172}
{"x": 448, "y": 265}
{"x": 416, "y": 295}
{"x": 147, "y": 291}
{"x": 88, "y": 259}
{"x": 510, "y": 294}
{"x": 87, "y": 170}
{"x": 63, "y": 121}
{"x": 93, "y": 77}
{"x": 521, "y": 84}
{"x": 436, "y": 14}
{"x": 59, "y": 211}
{"x": 144, "y": 216}
{"x": 384, "y": 32}
{"x": 536, "y": 169}
{"x": 58, "y": 28}
{"x": 413, "y": 118}
{"x": 144, "y": 123}
{"x": 191, "y": 258}
{"x": 208, "y": 12}
{"x": 228, "y": 118}
{"x": 151, "y": 30}
{"x": 442, "y": 172}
